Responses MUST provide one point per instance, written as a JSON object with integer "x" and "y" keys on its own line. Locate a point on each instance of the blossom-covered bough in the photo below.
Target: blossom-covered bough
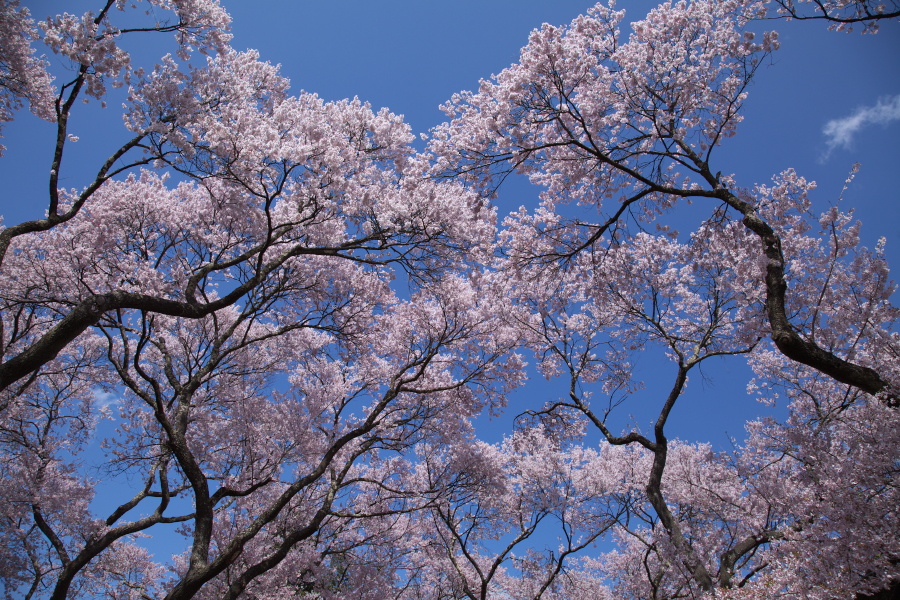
{"x": 23, "y": 77}
{"x": 478, "y": 539}
{"x": 841, "y": 15}
{"x": 90, "y": 44}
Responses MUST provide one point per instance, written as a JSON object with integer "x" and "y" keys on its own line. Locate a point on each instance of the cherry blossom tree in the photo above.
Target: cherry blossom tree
{"x": 271, "y": 374}
{"x": 630, "y": 128}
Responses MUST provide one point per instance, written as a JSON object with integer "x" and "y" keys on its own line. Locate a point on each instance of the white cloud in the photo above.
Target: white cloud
{"x": 840, "y": 132}
{"x": 104, "y": 399}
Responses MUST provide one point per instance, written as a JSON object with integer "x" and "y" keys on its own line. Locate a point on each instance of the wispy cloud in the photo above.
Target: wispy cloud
{"x": 105, "y": 404}
{"x": 104, "y": 399}
{"x": 840, "y": 132}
